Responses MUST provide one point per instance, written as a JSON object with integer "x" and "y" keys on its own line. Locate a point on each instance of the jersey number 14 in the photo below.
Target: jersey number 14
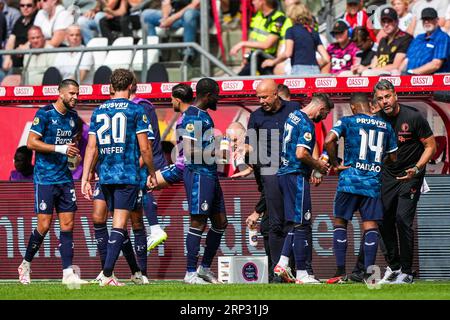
{"x": 367, "y": 141}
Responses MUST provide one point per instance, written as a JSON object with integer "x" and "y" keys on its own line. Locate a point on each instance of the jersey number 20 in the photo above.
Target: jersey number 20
{"x": 118, "y": 125}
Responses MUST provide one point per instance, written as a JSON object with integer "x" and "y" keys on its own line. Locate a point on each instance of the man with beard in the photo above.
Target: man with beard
{"x": 294, "y": 177}
{"x": 52, "y": 136}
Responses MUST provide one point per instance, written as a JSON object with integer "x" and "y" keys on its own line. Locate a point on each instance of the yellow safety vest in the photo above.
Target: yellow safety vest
{"x": 261, "y": 27}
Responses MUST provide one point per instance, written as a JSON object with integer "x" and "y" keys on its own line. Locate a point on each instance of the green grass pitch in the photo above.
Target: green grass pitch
{"x": 176, "y": 290}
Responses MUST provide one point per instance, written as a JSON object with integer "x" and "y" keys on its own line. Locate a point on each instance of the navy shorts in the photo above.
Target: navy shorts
{"x": 55, "y": 196}
{"x": 296, "y": 197}
{"x": 98, "y": 193}
{"x": 346, "y": 204}
{"x": 172, "y": 174}
{"x": 121, "y": 196}
{"x": 204, "y": 194}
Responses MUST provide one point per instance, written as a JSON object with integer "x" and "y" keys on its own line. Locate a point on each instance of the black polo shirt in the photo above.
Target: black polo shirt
{"x": 388, "y": 49}
{"x": 260, "y": 119}
{"x": 411, "y": 129}
{"x": 20, "y": 30}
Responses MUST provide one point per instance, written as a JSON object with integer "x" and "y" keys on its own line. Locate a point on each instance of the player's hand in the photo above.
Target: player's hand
{"x": 252, "y": 220}
{"x": 315, "y": 181}
{"x": 77, "y": 163}
{"x": 72, "y": 150}
{"x": 86, "y": 189}
{"x": 152, "y": 183}
{"x": 323, "y": 167}
{"x": 243, "y": 173}
{"x": 410, "y": 173}
{"x": 341, "y": 168}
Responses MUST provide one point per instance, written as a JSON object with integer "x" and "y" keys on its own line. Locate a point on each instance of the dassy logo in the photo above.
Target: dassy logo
{"x": 396, "y": 81}
{"x": 447, "y": 80}
{"x": 50, "y": 90}
{"x": 23, "y": 91}
{"x": 357, "y": 82}
{"x": 232, "y": 85}
{"x": 326, "y": 83}
{"x": 144, "y": 88}
{"x": 167, "y": 87}
{"x": 2, "y": 91}
{"x": 422, "y": 80}
{"x": 295, "y": 83}
{"x": 86, "y": 90}
{"x": 255, "y": 84}
{"x": 105, "y": 89}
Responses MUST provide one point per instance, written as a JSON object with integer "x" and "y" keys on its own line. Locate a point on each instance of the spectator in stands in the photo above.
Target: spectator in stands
{"x": 89, "y": 21}
{"x": 302, "y": 43}
{"x": 11, "y": 15}
{"x": 391, "y": 49}
{"x": 66, "y": 62}
{"x": 19, "y": 38}
{"x": 266, "y": 25}
{"x": 38, "y": 63}
{"x": 429, "y": 52}
{"x": 343, "y": 51}
{"x": 447, "y": 20}
{"x": 439, "y": 5}
{"x": 53, "y": 20}
{"x": 173, "y": 15}
{"x": 3, "y": 30}
{"x": 364, "y": 56}
{"x": 405, "y": 17}
{"x": 356, "y": 16}
{"x": 22, "y": 162}
{"x": 231, "y": 16}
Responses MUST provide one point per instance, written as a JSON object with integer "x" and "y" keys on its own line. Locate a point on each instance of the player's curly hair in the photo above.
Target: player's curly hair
{"x": 183, "y": 92}
{"x": 324, "y": 98}
{"x": 121, "y": 79}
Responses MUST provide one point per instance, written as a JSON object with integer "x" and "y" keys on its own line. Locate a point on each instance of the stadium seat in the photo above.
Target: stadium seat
{"x": 12, "y": 80}
{"x": 157, "y": 73}
{"x": 120, "y": 58}
{"x": 152, "y": 55}
{"x": 99, "y": 56}
{"x": 102, "y": 75}
{"x": 52, "y": 76}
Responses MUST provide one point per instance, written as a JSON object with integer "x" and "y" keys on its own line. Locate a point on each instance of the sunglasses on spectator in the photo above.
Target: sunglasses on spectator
{"x": 27, "y": 5}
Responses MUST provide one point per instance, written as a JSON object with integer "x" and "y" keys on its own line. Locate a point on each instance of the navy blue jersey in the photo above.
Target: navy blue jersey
{"x": 54, "y": 128}
{"x": 116, "y": 124}
{"x": 197, "y": 125}
{"x": 367, "y": 140}
{"x": 299, "y": 131}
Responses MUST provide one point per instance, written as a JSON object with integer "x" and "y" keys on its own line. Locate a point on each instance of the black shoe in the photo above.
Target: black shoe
{"x": 277, "y": 279}
{"x": 357, "y": 276}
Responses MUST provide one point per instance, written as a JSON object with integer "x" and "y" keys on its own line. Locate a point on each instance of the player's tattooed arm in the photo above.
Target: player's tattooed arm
{"x": 331, "y": 147}
{"x": 147, "y": 157}
{"x": 304, "y": 156}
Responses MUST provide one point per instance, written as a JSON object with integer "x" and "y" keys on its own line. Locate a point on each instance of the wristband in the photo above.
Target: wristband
{"x": 416, "y": 170}
{"x": 61, "y": 149}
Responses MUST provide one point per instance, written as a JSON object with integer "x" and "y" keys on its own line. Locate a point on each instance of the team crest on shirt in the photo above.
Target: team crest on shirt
{"x": 36, "y": 121}
{"x": 205, "y": 206}
{"x": 190, "y": 127}
{"x": 72, "y": 123}
{"x": 307, "y": 136}
{"x": 405, "y": 127}
{"x": 43, "y": 205}
{"x": 307, "y": 215}
{"x": 338, "y": 123}
{"x": 144, "y": 118}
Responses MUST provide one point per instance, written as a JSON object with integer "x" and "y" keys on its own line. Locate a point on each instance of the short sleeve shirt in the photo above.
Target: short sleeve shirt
{"x": 388, "y": 49}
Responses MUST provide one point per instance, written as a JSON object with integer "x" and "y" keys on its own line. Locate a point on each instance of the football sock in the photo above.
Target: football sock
{"x": 300, "y": 247}
{"x": 213, "y": 238}
{"x": 150, "y": 208}
{"x": 115, "y": 243}
{"x": 128, "y": 253}
{"x": 101, "y": 238}
{"x": 140, "y": 246}
{"x": 66, "y": 248}
{"x": 284, "y": 261}
{"x": 308, "y": 259}
{"x": 193, "y": 247}
{"x": 156, "y": 228}
{"x": 33, "y": 245}
{"x": 340, "y": 246}
{"x": 371, "y": 238}
{"x": 287, "y": 247}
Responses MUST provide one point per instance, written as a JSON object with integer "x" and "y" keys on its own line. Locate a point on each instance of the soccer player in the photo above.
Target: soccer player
{"x": 118, "y": 135}
{"x": 52, "y": 136}
{"x": 294, "y": 177}
{"x": 369, "y": 140}
{"x": 203, "y": 191}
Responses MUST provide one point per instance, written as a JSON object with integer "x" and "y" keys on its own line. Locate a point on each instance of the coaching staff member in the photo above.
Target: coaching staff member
{"x": 401, "y": 181}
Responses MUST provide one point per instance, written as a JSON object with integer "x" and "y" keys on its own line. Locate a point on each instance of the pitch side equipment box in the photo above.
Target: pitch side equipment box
{"x": 243, "y": 269}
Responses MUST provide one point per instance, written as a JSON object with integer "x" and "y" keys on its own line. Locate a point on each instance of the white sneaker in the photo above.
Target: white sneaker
{"x": 24, "y": 272}
{"x": 404, "y": 278}
{"x": 97, "y": 279}
{"x": 139, "y": 279}
{"x": 73, "y": 279}
{"x": 390, "y": 276}
{"x": 110, "y": 281}
{"x": 193, "y": 278}
{"x": 207, "y": 275}
{"x": 307, "y": 279}
{"x": 155, "y": 239}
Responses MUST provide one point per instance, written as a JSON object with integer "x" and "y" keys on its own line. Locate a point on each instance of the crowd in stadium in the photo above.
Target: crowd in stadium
{"x": 387, "y": 37}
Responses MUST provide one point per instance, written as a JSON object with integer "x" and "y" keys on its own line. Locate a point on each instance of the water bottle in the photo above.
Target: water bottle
{"x": 323, "y": 157}
{"x": 253, "y": 237}
{"x": 224, "y": 150}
